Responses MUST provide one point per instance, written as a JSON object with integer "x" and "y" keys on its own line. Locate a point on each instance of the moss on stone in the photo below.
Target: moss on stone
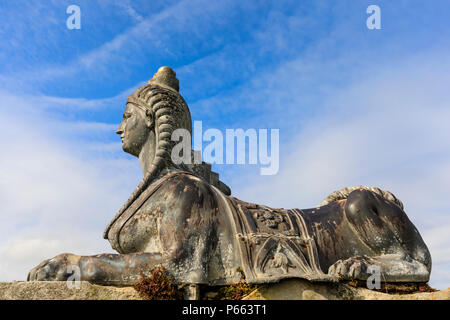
{"x": 158, "y": 286}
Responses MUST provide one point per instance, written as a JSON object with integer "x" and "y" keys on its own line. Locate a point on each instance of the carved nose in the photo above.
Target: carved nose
{"x": 119, "y": 129}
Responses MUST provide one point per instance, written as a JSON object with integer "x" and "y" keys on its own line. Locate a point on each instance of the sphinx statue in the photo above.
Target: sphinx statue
{"x": 182, "y": 217}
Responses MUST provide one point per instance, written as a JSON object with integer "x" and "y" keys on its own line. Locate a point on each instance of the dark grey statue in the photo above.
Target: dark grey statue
{"x": 183, "y": 217}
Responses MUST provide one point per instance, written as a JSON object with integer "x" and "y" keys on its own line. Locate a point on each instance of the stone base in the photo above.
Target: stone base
{"x": 298, "y": 289}
{"x": 58, "y": 290}
{"x": 292, "y": 289}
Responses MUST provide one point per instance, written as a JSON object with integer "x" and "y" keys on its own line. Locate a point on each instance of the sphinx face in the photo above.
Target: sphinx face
{"x": 134, "y": 130}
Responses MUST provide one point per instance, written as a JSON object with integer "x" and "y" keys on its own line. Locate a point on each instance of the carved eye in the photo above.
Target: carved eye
{"x": 127, "y": 115}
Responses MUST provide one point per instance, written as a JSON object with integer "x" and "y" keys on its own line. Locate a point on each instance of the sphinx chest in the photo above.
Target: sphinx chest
{"x": 137, "y": 228}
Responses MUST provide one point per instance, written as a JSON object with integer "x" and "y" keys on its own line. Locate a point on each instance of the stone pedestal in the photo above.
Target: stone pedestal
{"x": 298, "y": 289}
{"x": 292, "y": 289}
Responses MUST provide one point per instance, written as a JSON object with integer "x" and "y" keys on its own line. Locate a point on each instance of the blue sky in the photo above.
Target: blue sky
{"x": 353, "y": 106}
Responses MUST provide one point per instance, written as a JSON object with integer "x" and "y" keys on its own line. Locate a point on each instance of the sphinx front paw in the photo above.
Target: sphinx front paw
{"x": 351, "y": 268}
{"x": 58, "y": 268}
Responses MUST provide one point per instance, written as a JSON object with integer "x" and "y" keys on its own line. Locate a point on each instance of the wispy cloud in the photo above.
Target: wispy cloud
{"x": 151, "y": 33}
{"x": 62, "y": 103}
{"x": 130, "y": 10}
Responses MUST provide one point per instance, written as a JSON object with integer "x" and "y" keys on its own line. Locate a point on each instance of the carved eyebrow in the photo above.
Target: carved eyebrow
{"x": 131, "y": 103}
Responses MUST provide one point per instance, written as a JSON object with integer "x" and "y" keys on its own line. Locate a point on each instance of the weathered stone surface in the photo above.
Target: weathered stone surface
{"x": 292, "y": 289}
{"x": 299, "y": 289}
{"x": 58, "y": 290}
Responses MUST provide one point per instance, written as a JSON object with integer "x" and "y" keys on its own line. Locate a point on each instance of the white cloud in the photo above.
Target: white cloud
{"x": 126, "y": 5}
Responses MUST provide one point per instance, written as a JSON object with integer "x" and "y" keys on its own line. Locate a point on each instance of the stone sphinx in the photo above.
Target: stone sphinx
{"x": 182, "y": 217}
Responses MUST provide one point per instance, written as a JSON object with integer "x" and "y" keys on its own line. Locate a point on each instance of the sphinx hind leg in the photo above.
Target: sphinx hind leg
{"x": 385, "y": 229}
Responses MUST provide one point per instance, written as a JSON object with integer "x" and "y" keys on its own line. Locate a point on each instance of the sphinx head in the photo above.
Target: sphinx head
{"x": 151, "y": 114}
{"x": 135, "y": 128}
